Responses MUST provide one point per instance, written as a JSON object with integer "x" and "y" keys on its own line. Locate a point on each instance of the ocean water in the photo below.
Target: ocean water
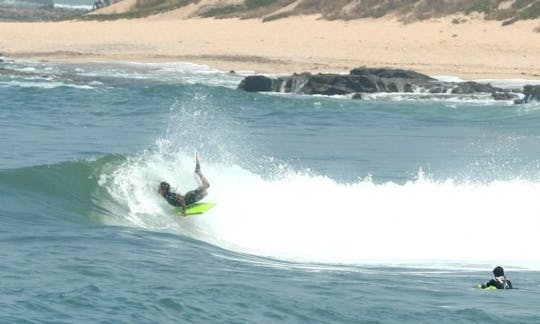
{"x": 74, "y": 4}
{"x": 329, "y": 210}
{"x": 65, "y": 4}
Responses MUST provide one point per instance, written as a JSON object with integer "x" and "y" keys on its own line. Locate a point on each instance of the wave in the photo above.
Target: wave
{"x": 296, "y": 216}
{"x": 308, "y": 218}
{"x": 65, "y": 191}
{"x": 300, "y": 217}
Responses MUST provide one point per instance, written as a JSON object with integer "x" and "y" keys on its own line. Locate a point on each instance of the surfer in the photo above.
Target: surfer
{"x": 499, "y": 280}
{"x": 190, "y": 197}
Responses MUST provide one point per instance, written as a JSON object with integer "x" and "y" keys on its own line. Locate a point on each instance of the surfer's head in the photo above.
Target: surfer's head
{"x": 164, "y": 187}
{"x": 498, "y": 271}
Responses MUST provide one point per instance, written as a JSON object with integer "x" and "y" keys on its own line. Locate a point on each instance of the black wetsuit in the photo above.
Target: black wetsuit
{"x": 499, "y": 283}
{"x": 190, "y": 197}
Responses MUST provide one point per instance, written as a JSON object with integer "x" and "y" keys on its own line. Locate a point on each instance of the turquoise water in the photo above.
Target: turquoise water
{"x": 66, "y": 4}
{"x": 329, "y": 210}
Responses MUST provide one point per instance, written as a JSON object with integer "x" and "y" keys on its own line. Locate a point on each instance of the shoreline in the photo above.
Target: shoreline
{"x": 475, "y": 49}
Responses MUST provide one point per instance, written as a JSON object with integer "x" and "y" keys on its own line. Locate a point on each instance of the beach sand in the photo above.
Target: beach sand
{"x": 472, "y": 49}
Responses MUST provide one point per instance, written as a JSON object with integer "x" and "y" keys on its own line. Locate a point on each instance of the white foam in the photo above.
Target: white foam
{"x": 307, "y": 218}
{"x": 73, "y": 7}
{"x": 514, "y": 83}
{"x": 448, "y": 78}
{"x": 477, "y": 99}
{"x": 185, "y": 72}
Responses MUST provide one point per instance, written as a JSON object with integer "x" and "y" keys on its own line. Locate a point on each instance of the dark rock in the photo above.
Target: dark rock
{"x": 358, "y": 96}
{"x": 474, "y": 87}
{"x": 532, "y": 93}
{"x": 364, "y": 80}
{"x": 391, "y": 73}
{"x": 504, "y": 95}
{"x": 338, "y": 84}
{"x": 329, "y": 84}
{"x": 256, "y": 83}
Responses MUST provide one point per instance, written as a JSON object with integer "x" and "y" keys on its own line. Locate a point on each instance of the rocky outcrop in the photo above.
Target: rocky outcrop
{"x": 474, "y": 87}
{"x": 532, "y": 93}
{"x": 359, "y": 80}
{"x": 370, "y": 80}
{"x": 256, "y": 83}
{"x": 391, "y": 73}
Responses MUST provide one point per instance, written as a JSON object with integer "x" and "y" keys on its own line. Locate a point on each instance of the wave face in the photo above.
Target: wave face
{"x": 295, "y": 216}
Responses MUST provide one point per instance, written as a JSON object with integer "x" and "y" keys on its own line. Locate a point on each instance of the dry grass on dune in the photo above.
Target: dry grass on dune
{"x": 507, "y": 11}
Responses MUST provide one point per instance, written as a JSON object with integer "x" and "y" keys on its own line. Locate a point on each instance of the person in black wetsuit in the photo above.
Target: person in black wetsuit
{"x": 190, "y": 197}
{"x": 499, "y": 280}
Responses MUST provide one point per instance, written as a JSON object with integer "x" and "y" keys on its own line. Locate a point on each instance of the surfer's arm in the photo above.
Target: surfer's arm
{"x": 491, "y": 283}
{"x": 182, "y": 202}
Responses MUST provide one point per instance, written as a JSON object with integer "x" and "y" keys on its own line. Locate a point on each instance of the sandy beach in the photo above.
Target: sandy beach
{"x": 471, "y": 49}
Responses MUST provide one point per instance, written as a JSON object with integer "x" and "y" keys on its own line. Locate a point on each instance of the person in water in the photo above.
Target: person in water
{"x": 190, "y": 197}
{"x": 499, "y": 280}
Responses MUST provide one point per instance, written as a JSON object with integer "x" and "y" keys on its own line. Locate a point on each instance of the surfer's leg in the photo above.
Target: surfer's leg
{"x": 197, "y": 163}
{"x": 204, "y": 182}
{"x": 198, "y": 194}
{"x": 194, "y": 196}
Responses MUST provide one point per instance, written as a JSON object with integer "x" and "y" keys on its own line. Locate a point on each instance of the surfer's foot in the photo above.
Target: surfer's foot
{"x": 197, "y": 165}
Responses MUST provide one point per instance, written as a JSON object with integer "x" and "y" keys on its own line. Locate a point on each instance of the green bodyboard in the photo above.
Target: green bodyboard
{"x": 197, "y": 208}
{"x": 488, "y": 287}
